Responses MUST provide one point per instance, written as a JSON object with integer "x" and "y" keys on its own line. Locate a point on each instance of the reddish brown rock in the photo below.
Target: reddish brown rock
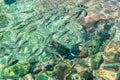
{"x": 103, "y": 74}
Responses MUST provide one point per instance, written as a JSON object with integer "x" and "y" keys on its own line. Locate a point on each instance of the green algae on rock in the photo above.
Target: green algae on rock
{"x": 43, "y": 77}
{"x": 96, "y": 60}
{"x": 61, "y": 69}
{"x": 88, "y": 75}
{"x": 18, "y": 70}
{"x": 75, "y": 76}
{"x": 93, "y": 46}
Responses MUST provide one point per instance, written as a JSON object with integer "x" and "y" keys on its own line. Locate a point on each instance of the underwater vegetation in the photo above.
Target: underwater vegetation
{"x": 49, "y": 43}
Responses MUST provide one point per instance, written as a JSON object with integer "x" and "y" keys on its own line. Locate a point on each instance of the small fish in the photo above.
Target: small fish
{"x": 49, "y": 36}
{"x": 46, "y": 20}
{"x": 85, "y": 13}
{"x": 18, "y": 23}
{"x": 28, "y": 19}
{"x": 19, "y": 38}
{"x": 28, "y": 11}
{"x": 19, "y": 48}
{"x": 48, "y": 23}
{"x": 25, "y": 42}
{"x": 31, "y": 21}
{"x": 42, "y": 51}
{"x": 21, "y": 26}
{"x": 32, "y": 30}
{"x": 56, "y": 18}
{"x": 12, "y": 63}
{"x": 64, "y": 24}
{"x": 72, "y": 15}
{"x": 19, "y": 32}
{"x": 40, "y": 17}
{"x": 79, "y": 13}
{"x": 33, "y": 52}
{"x": 63, "y": 34}
{"x": 9, "y": 59}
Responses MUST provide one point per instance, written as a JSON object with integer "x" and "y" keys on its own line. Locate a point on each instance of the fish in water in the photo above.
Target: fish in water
{"x": 56, "y": 18}
{"x": 18, "y": 23}
{"x": 33, "y": 52}
{"x": 46, "y": 20}
{"x": 64, "y": 24}
{"x": 19, "y": 38}
{"x": 21, "y": 26}
{"x": 79, "y": 13}
{"x": 49, "y": 36}
{"x": 12, "y": 63}
{"x": 63, "y": 34}
{"x": 25, "y": 42}
{"x": 48, "y": 23}
{"x": 9, "y": 59}
{"x": 32, "y": 29}
{"x": 42, "y": 51}
{"x": 19, "y": 48}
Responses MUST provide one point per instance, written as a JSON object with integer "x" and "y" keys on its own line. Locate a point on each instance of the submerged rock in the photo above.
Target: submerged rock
{"x": 61, "y": 70}
{"x": 96, "y": 61}
{"x": 75, "y": 77}
{"x": 104, "y": 74}
{"x": 18, "y": 70}
{"x": 9, "y": 2}
{"x": 56, "y": 33}
{"x": 43, "y": 77}
{"x": 28, "y": 77}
